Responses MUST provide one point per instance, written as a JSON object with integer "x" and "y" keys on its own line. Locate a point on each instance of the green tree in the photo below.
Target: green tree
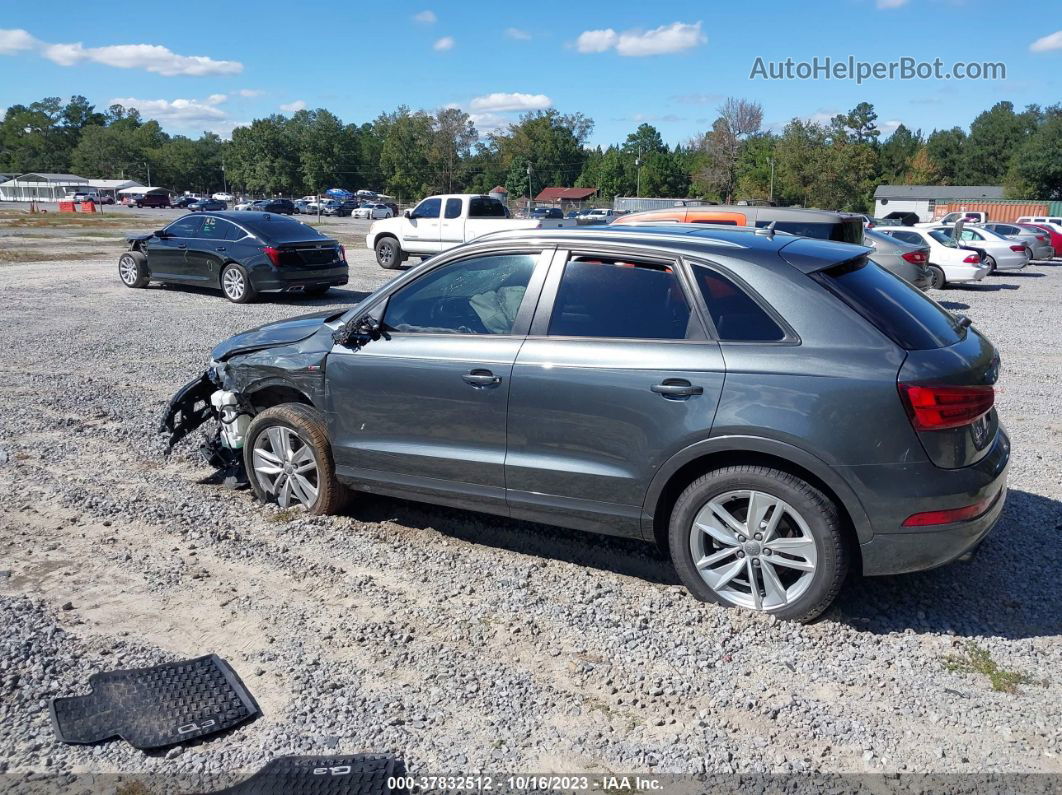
{"x": 946, "y": 152}
{"x": 897, "y": 153}
{"x": 995, "y": 136}
{"x": 263, "y": 157}
{"x": 1036, "y": 170}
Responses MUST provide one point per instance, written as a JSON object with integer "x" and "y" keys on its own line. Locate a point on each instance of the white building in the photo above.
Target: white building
{"x": 41, "y": 187}
{"x": 110, "y": 187}
{"x": 921, "y": 199}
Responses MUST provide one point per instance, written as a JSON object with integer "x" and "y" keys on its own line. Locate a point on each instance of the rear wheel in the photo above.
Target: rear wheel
{"x": 991, "y": 263}
{"x": 236, "y": 284}
{"x": 132, "y": 269}
{"x": 388, "y": 253}
{"x": 761, "y": 539}
{"x": 936, "y": 277}
{"x": 288, "y": 458}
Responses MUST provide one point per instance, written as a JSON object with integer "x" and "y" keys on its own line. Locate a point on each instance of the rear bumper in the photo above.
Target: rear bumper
{"x": 891, "y": 493}
{"x": 296, "y": 279}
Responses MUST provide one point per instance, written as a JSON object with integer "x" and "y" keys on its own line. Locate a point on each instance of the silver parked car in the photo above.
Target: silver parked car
{"x": 1038, "y": 244}
{"x": 908, "y": 261}
{"x": 775, "y": 410}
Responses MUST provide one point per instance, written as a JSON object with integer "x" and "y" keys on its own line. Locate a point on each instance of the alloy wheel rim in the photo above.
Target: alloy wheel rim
{"x": 285, "y": 467}
{"x": 753, "y": 549}
{"x": 386, "y": 254}
{"x": 233, "y": 283}
{"x": 127, "y": 270}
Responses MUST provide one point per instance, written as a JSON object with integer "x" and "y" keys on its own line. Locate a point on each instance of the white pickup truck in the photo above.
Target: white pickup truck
{"x": 442, "y": 222}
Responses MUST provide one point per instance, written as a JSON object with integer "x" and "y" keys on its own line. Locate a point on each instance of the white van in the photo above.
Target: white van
{"x": 1041, "y": 219}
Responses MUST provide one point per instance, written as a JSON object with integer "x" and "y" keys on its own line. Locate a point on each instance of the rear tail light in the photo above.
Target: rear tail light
{"x": 273, "y": 254}
{"x": 950, "y": 515}
{"x": 915, "y": 257}
{"x": 937, "y": 408}
{"x": 342, "y": 253}
{"x": 973, "y": 259}
{"x": 1017, "y": 248}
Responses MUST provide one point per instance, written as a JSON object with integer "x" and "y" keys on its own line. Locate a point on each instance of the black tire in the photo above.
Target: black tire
{"x": 991, "y": 263}
{"x": 233, "y": 275}
{"x": 133, "y": 270}
{"x": 389, "y": 254}
{"x": 936, "y": 277}
{"x": 307, "y": 423}
{"x": 821, "y": 519}
{"x": 318, "y": 291}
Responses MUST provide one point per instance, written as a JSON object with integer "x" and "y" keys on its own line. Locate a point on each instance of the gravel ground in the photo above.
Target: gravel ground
{"x": 462, "y": 642}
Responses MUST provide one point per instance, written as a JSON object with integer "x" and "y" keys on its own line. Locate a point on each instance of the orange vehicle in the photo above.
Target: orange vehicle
{"x": 823, "y": 224}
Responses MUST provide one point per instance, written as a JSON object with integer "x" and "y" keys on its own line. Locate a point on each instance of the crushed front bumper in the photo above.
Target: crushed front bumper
{"x": 189, "y": 408}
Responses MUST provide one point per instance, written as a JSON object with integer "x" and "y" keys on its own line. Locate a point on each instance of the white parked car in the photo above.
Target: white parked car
{"x": 372, "y": 211}
{"x": 224, "y": 197}
{"x": 948, "y": 263}
{"x": 441, "y": 222}
{"x": 244, "y": 205}
{"x": 1000, "y": 252}
{"x": 970, "y": 216}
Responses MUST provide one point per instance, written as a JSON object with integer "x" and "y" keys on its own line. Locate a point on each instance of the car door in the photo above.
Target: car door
{"x": 452, "y": 225}
{"x": 422, "y": 411}
{"x": 167, "y": 255}
{"x": 617, "y": 375}
{"x": 210, "y": 249}
{"x": 421, "y": 227}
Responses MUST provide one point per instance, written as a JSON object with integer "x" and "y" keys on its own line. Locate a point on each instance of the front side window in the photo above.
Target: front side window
{"x": 474, "y": 296}
{"x": 737, "y": 317}
{"x": 607, "y": 297}
{"x": 188, "y": 226}
{"x": 429, "y": 208}
{"x": 453, "y": 208}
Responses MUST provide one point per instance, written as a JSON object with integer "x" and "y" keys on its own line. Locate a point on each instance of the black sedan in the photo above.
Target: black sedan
{"x": 207, "y": 205}
{"x": 240, "y": 253}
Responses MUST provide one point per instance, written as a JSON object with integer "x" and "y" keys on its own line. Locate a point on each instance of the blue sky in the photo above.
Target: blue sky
{"x": 198, "y": 65}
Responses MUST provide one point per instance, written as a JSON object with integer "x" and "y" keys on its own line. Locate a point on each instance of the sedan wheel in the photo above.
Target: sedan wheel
{"x": 236, "y": 284}
{"x": 285, "y": 467}
{"x": 936, "y": 278}
{"x": 991, "y": 263}
{"x": 764, "y": 560}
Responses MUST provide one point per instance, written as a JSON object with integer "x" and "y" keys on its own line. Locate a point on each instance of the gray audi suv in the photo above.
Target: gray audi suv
{"x": 776, "y": 411}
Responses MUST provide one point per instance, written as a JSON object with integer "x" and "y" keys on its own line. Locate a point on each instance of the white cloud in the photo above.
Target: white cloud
{"x": 1045, "y": 44}
{"x": 293, "y": 107}
{"x": 16, "y": 40}
{"x": 697, "y": 99}
{"x": 518, "y": 34}
{"x": 426, "y": 17}
{"x": 596, "y": 40}
{"x": 444, "y": 44}
{"x": 489, "y": 122}
{"x": 500, "y": 101}
{"x": 889, "y": 127}
{"x": 176, "y": 111}
{"x": 150, "y": 57}
{"x": 250, "y": 92}
{"x": 891, "y": 3}
{"x": 676, "y": 37}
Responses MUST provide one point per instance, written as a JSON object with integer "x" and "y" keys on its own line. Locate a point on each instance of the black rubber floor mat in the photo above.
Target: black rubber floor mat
{"x": 364, "y": 774}
{"x": 158, "y": 706}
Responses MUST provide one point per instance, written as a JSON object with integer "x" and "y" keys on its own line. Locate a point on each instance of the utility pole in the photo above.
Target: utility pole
{"x": 148, "y": 167}
{"x": 224, "y": 182}
{"x": 771, "y": 196}
{"x": 638, "y": 164}
{"x": 528, "y": 190}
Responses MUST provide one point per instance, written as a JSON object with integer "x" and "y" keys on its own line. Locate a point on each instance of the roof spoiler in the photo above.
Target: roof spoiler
{"x": 810, "y": 255}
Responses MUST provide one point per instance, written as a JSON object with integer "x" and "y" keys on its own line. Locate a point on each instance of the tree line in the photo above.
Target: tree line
{"x": 411, "y": 153}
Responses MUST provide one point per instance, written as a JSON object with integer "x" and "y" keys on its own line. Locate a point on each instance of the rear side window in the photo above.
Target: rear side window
{"x": 276, "y": 229}
{"x": 847, "y": 231}
{"x": 604, "y": 297}
{"x": 453, "y": 208}
{"x": 894, "y": 307}
{"x": 737, "y": 317}
{"x": 908, "y": 237}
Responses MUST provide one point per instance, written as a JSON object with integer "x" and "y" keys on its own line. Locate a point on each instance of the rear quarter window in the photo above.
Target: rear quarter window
{"x": 900, "y": 311}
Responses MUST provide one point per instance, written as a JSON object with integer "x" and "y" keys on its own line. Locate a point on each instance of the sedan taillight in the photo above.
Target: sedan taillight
{"x": 273, "y": 254}
{"x": 1017, "y": 248}
{"x": 342, "y": 253}
{"x": 915, "y": 257}
{"x": 973, "y": 259}
{"x": 938, "y": 408}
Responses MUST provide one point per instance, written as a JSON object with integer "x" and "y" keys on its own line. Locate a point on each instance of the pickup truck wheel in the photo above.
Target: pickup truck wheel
{"x": 288, "y": 459}
{"x": 132, "y": 269}
{"x": 389, "y": 253}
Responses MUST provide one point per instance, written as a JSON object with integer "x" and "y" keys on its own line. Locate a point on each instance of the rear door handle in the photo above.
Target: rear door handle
{"x": 677, "y": 388}
{"x": 182, "y": 245}
{"x": 481, "y": 378}
{"x": 220, "y": 248}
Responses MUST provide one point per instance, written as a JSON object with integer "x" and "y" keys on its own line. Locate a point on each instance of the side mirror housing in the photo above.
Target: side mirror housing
{"x": 407, "y": 213}
{"x": 161, "y": 233}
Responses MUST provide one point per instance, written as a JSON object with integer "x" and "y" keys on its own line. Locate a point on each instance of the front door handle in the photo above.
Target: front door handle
{"x": 220, "y": 248}
{"x": 182, "y": 245}
{"x": 677, "y": 388}
{"x": 481, "y": 378}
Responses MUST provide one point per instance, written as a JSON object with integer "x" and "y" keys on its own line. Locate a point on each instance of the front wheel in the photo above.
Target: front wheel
{"x": 936, "y": 277}
{"x": 236, "y": 284}
{"x": 288, "y": 458}
{"x": 388, "y": 253}
{"x": 132, "y": 269}
{"x": 761, "y": 539}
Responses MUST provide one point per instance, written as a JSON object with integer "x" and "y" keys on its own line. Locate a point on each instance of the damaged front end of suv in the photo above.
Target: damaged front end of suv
{"x": 267, "y": 366}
